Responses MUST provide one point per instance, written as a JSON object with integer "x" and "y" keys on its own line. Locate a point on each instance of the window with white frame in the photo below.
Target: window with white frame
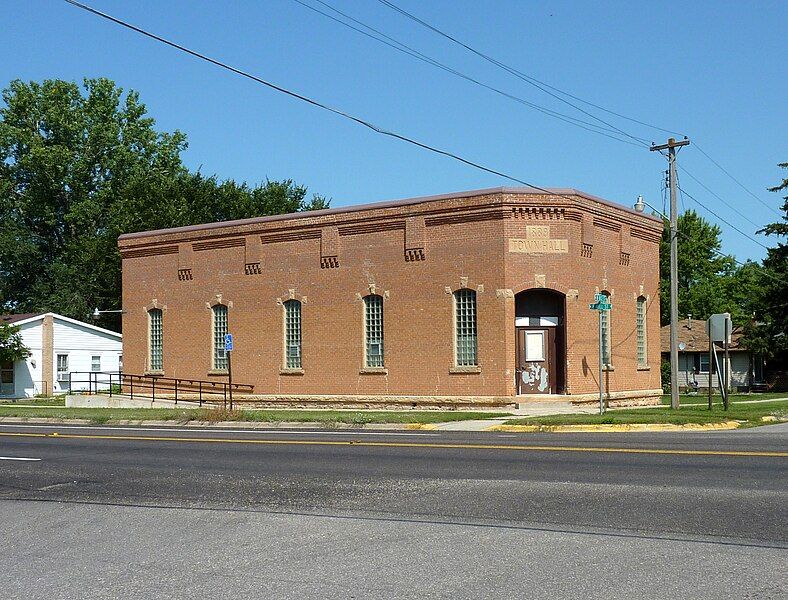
{"x": 292, "y": 334}
{"x": 640, "y": 334}
{"x": 95, "y": 363}
{"x": 465, "y": 327}
{"x": 62, "y": 367}
{"x": 607, "y": 359}
{"x": 373, "y": 330}
{"x": 155, "y": 340}
{"x": 219, "y": 333}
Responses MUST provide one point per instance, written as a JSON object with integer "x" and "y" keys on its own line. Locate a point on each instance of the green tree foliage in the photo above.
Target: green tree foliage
{"x": 81, "y": 165}
{"x": 768, "y": 332}
{"x": 704, "y": 276}
{"x": 11, "y": 346}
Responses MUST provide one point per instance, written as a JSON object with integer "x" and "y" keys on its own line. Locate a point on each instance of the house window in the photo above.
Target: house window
{"x": 219, "y": 332}
{"x": 293, "y": 334}
{"x": 95, "y": 363}
{"x": 640, "y": 322}
{"x": 155, "y": 340}
{"x": 62, "y": 367}
{"x": 604, "y": 315}
{"x": 465, "y": 327}
{"x": 373, "y": 329}
{"x": 701, "y": 363}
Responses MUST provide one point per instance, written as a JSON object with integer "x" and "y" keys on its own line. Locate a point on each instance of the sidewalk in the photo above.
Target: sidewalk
{"x": 530, "y": 409}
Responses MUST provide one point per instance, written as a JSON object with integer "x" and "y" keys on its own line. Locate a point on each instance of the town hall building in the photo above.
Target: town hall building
{"x": 470, "y": 298}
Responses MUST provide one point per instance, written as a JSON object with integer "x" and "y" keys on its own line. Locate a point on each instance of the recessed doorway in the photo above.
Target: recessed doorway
{"x": 540, "y": 361}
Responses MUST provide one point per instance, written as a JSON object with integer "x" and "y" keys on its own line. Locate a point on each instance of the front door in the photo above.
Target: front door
{"x": 7, "y": 379}
{"x": 536, "y": 360}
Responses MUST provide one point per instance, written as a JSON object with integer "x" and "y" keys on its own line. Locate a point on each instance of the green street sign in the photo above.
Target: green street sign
{"x": 600, "y": 306}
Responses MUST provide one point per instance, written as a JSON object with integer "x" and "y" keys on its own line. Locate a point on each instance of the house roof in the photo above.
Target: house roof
{"x": 692, "y": 333}
{"x": 564, "y": 192}
{"x": 18, "y": 317}
{"x": 22, "y": 319}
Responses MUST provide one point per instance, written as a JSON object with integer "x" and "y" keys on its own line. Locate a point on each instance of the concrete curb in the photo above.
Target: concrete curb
{"x": 250, "y": 425}
{"x": 611, "y": 428}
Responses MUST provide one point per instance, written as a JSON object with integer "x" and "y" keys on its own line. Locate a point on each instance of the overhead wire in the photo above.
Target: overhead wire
{"x": 718, "y": 197}
{"x": 728, "y": 223}
{"x": 517, "y": 73}
{"x": 341, "y": 113}
{"x": 736, "y": 181}
{"x": 313, "y": 102}
{"x": 399, "y": 46}
{"x": 541, "y": 85}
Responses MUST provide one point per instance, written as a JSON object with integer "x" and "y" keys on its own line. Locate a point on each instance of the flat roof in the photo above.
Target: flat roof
{"x": 566, "y": 192}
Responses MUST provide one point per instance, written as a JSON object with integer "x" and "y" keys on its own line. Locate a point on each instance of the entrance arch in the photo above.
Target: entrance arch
{"x": 540, "y": 335}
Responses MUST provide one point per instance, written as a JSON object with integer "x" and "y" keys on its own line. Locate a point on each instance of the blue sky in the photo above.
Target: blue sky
{"x": 712, "y": 70}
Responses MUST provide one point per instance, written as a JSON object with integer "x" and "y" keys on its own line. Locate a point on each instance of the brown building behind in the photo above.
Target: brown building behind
{"x": 470, "y": 297}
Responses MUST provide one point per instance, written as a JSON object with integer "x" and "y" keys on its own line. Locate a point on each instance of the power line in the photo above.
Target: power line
{"x": 739, "y": 183}
{"x": 728, "y": 223}
{"x": 298, "y": 96}
{"x": 519, "y": 74}
{"x": 399, "y": 46}
{"x": 328, "y": 108}
{"x": 705, "y": 187}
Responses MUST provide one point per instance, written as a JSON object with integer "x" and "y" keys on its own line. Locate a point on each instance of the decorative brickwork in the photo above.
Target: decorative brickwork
{"x": 414, "y": 254}
{"x": 252, "y": 269}
{"x": 329, "y": 262}
{"x": 586, "y": 250}
{"x": 623, "y": 259}
{"x": 185, "y": 275}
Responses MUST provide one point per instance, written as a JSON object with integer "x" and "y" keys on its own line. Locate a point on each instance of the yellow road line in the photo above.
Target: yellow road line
{"x": 437, "y": 445}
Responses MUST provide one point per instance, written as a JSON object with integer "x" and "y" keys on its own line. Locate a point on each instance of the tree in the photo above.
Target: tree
{"x": 11, "y": 346}
{"x": 703, "y": 274}
{"x": 80, "y": 166}
{"x": 769, "y": 331}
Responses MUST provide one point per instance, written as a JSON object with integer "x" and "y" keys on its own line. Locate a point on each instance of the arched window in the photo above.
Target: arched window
{"x": 155, "y": 340}
{"x": 465, "y": 328}
{"x": 607, "y": 355}
{"x": 640, "y": 336}
{"x": 219, "y": 332}
{"x": 292, "y": 334}
{"x": 373, "y": 330}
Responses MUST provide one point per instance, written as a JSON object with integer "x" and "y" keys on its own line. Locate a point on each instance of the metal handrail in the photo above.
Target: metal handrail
{"x": 115, "y": 382}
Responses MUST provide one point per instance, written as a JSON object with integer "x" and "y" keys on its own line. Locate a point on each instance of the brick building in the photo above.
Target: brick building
{"x": 473, "y": 297}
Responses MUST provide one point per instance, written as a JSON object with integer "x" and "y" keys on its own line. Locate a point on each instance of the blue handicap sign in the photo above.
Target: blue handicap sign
{"x": 228, "y": 342}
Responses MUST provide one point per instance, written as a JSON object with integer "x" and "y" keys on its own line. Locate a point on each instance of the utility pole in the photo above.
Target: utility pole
{"x": 674, "y": 278}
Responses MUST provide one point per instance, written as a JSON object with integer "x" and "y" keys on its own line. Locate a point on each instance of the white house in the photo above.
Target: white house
{"x": 59, "y": 346}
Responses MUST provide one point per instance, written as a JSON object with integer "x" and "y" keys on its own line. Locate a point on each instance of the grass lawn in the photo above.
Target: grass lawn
{"x": 46, "y": 401}
{"x": 750, "y": 415}
{"x": 325, "y": 417}
{"x": 702, "y": 398}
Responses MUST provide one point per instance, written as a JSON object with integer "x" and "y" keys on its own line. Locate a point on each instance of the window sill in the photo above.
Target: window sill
{"x": 291, "y": 371}
{"x": 374, "y": 371}
{"x": 465, "y": 370}
{"x": 218, "y": 372}
{"x": 158, "y": 373}
{"x": 608, "y": 368}
{"x": 644, "y": 367}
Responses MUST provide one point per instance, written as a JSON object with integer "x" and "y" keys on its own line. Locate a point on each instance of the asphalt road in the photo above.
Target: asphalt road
{"x": 140, "y": 513}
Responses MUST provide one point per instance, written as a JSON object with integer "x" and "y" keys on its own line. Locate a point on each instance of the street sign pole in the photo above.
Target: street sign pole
{"x": 230, "y": 377}
{"x": 601, "y": 383}
{"x": 601, "y": 302}
{"x": 228, "y": 348}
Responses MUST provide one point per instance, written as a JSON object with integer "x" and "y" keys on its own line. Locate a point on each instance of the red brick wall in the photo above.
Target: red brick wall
{"x": 414, "y": 255}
